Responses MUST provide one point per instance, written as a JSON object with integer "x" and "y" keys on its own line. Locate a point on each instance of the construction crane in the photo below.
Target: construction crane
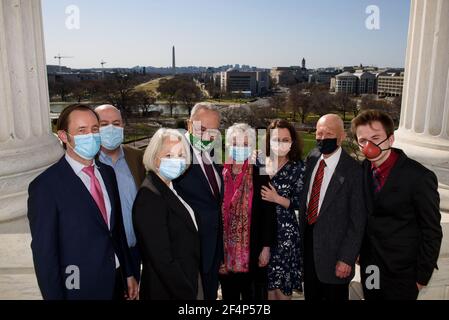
{"x": 59, "y": 57}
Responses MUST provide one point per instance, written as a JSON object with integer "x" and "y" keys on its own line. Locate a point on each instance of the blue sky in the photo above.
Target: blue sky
{"x": 260, "y": 33}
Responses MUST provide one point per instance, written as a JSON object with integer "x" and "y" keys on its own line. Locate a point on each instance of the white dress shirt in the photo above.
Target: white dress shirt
{"x": 189, "y": 209}
{"x": 78, "y": 169}
{"x": 199, "y": 157}
{"x": 331, "y": 164}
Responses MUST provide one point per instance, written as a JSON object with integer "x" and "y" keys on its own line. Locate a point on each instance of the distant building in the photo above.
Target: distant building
{"x": 59, "y": 74}
{"x": 52, "y": 69}
{"x": 250, "y": 82}
{"x": 321, "y": 77}
{"x": 348, "y": 69}
{"x": 390, "y": 84}
{"x": 234, "y": 81}
{"x": 283, "y": 75}
{"x": 366, "y": 82}
{"x": 358, "y": 82}
{"x": 346, "y": 82}
{"x": 289, "y": 75}
{"x": 263, "y": 82}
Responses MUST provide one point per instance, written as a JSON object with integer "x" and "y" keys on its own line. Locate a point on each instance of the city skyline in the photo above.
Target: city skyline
{"x": 217, "y": 33}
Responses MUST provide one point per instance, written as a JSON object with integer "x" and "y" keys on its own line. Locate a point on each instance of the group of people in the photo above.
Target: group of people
{"x": 181, "y": 219}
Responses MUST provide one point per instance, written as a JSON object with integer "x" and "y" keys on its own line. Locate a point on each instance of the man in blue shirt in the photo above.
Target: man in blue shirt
{"x": 129, "y": 170}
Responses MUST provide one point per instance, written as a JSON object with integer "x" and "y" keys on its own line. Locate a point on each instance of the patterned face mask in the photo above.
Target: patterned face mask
{"x": 201, "y": 145}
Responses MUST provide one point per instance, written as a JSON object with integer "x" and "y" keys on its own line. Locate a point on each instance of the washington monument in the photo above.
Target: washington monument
{"x": 174, "y": 61}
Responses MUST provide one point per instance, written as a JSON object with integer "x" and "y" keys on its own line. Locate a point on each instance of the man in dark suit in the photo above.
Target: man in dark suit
{"x": 128, "y": 166}
{"x": 403, "y": 235}
{"x": 201, "y": 188}
{"x": 78, "y": 240}
{"x": 333, "y": 215}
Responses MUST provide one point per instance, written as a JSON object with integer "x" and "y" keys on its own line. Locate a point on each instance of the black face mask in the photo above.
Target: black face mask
{"x": 327, "y": 146}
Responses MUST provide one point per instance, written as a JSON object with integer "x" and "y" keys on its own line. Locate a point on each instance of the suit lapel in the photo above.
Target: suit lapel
{"x": 172, "y": 201}
{"x": 310, "y": 166}
{"x": 130, "y": 161}
{"x": 389, "y": 183}
{"x": 335, "y": 184}
{"x": 108, "y": 184}
{"x": 311, "y": 163}
{"x": 199, "y": 171}
{"x": 368, "y": 186}
{"x": 219, "y": 169}
{"x": 334, "y": 187}
{"x": 79, "y": 191}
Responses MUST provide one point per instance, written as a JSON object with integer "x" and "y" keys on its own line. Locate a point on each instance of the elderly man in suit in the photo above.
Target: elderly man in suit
{"x": 332, "y": 214}
{"x": 78, "y": 240}
{"x": 128, "y": 166}
{"x": 202, "y": 188}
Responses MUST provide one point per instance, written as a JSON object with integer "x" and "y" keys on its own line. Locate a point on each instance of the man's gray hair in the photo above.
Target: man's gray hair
{"x": 204, "y": 106}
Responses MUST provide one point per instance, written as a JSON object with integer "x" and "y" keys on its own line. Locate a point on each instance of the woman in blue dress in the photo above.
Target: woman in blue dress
{"x": 286, "y": 170}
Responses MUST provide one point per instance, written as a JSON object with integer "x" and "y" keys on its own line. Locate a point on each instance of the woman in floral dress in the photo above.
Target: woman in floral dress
{"x": 286, "y": 170}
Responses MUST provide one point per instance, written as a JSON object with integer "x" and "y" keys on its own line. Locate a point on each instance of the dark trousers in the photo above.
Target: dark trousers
{"x": 391, "y": 289}
{"x": 136, "y": 261}
{"x": 260, "y": 284}
{"x": 119, "y": 288}
{"x": 236, "y": 286}
{"x": 314, "y": 289}
{"x": 210, "y": 281}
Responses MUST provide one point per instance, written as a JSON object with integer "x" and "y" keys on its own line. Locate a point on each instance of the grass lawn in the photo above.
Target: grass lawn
{"x": 138, "y": 131}
{"x": 228, "y": 101}
{"x": 152, "y": 85}
{"x": 309, "y": 142}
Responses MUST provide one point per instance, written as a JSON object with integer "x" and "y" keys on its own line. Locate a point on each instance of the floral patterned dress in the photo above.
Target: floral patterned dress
{"x": 285, "y": 267}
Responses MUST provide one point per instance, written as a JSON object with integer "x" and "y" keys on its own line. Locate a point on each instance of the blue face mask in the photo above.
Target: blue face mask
{"x": 87, "y": 146}
{"x": 240, "y": 154}
{"x": 172, "y": 168}
{"x": 111, "y": 137}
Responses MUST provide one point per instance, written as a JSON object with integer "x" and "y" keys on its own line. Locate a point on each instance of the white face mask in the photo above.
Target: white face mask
{"x": 172, "y": 168}
{"x": 280, "y": 149}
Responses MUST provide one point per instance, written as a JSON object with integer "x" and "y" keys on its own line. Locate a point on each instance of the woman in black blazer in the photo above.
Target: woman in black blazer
{"x": 165, "y": 226}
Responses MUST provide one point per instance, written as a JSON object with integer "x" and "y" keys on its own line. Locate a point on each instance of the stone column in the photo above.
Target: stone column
{"x": 424, "y": 126}
{"x": 27, "y": 146}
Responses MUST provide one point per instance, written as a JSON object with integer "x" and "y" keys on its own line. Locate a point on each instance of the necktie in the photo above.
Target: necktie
{"x": 312, "y": 210}
{"x": 96, "y": 192}
{"x": 211, "y": 177}
{"x": 376, "y": 180}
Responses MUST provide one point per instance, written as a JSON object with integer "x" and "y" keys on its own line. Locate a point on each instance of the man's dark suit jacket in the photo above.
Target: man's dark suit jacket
{"x": 194, "y": 188}
{"x": 339, "y": 230}
{"x": 168, "y": 241}
{"x": 68, "y": 230}
{"x": 403, "y": 236}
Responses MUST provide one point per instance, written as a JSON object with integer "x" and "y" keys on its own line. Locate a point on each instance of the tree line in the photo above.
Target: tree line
{"x": 306, "y": 99}
{"x": 120, "y": 91}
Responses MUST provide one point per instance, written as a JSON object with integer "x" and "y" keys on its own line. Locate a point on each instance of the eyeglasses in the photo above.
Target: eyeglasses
{"x": 205, "y": 131}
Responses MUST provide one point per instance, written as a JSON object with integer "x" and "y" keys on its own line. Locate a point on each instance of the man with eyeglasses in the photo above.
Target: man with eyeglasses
{"x": 201, "y": 188}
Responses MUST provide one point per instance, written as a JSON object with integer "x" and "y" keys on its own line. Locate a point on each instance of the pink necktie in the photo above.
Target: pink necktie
{"x": 96, "y": 192}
